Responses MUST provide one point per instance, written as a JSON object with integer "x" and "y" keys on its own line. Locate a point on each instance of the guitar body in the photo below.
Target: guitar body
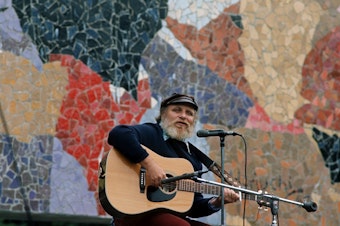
{"x": 120, "y": 193}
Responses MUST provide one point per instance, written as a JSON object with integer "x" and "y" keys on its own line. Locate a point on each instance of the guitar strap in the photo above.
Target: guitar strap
{"x": 214, "y": 167}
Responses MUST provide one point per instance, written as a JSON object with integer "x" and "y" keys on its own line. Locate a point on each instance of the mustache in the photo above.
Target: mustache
{"x": 171, "y": 130}
{"x": 183, "y": 122}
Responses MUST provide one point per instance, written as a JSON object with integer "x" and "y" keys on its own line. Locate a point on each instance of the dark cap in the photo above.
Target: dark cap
{"x": 177, "y": 98}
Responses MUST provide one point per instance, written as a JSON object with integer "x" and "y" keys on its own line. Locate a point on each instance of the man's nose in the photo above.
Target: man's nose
{"x": 182, "y": 115}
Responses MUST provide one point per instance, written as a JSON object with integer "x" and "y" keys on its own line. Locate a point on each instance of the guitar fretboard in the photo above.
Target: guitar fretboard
{"x": 192, "y": 186}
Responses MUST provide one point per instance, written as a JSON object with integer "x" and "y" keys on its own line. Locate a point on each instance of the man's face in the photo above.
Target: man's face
{"x": 178, "y": 121}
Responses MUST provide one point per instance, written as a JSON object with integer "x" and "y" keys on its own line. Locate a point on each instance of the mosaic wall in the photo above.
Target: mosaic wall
{"x": 71, "y": 70}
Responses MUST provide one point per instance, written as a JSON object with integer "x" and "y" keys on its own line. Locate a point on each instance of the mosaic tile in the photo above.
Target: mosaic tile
{"x": 102, "y": 34}
{"x": 18, "y": 42}
{"x": 198, "y": 13}
{"x": 258, "y": 118}
{"x": 81, "y": 111}
{"x": 210, "y": 91}
{"x": 214, "y": 45}
{"x": 321, "y": 83}
{"x": 25, "y": 173}
{"x": 30, "y": 99}
{"x": 330, "y": 150}
{"x": 274, "y": 53}
{"x": 72, "y": 194}
{"x": 282, "y": 164}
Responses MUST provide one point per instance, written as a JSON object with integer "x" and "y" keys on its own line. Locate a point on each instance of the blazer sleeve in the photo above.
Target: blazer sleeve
{"x": 201, "y": 207}
{"x": 126, "y": 140}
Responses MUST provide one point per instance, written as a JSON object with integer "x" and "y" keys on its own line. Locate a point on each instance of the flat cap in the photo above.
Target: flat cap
{"x": 177, "y": 98}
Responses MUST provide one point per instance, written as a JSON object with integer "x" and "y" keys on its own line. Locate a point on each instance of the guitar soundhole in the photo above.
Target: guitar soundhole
{"x": 163, "y": 193}
{"x": 169, "y": 187}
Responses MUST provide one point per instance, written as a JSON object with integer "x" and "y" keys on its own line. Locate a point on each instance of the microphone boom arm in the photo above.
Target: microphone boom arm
{"x": 308, "y": 206}
{"x": 184, "y": 176}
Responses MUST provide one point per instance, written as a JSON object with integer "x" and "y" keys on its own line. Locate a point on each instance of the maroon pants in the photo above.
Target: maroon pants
{"x": 163, "y": 219}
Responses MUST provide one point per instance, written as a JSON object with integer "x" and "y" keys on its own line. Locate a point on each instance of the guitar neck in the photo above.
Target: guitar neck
{"x": 192, "y": 186}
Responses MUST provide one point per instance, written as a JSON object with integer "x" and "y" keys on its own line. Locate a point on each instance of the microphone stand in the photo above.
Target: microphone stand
{"x": 267, "y": 200}
{"x": 222, "y": 145}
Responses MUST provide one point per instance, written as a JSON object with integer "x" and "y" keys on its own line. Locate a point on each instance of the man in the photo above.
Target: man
{"x": 167, "y": 137}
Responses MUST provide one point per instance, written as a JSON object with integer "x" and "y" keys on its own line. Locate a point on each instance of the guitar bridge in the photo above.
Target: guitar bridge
{"x": 142, "y": 175}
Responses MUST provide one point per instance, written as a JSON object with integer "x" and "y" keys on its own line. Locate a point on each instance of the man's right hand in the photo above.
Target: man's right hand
{"x": 154, "y": 173}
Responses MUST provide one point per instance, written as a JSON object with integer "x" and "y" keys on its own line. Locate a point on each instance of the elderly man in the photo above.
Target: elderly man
{"x": 168, "y": 138}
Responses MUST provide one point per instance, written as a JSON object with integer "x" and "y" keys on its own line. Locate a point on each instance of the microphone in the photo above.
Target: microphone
{"x": 310, "y": 206}
{"x": 219, "y": 132}
{"x": 184, "y": 176}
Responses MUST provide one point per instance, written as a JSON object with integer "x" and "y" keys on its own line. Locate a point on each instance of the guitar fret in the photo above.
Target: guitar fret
{"x": 191, "y": 186}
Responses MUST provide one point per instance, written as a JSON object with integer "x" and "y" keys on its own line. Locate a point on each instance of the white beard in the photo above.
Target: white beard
{"x": 172, "y": 131}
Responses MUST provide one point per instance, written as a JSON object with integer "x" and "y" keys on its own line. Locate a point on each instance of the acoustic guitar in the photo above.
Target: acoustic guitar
{"x": 124, "y": 190}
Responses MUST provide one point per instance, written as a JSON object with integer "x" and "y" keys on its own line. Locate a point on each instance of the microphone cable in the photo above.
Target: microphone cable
{"x": 245, "y": 176}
